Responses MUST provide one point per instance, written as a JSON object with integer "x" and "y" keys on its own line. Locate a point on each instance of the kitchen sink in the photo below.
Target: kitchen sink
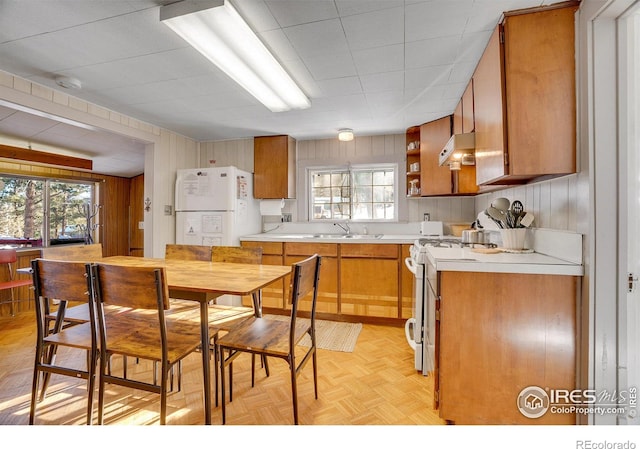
{"x": 347, "y": 236}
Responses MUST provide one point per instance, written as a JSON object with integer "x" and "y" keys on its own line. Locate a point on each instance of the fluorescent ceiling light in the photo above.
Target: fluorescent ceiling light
{"x": 221, "y": 35}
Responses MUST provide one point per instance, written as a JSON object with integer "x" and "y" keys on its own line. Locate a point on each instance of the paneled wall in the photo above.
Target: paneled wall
{"x": 554, "y": 203}
{"x": 238, "y": 153}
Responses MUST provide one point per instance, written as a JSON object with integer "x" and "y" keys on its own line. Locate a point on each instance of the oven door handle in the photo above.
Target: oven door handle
{"x": 409, "y": 332}
{"x": 411, "y": 265}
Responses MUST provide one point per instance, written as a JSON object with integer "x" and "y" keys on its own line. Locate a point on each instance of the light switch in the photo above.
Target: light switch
{"x": 141, "y": 225}
{"x": 168, "y": 209}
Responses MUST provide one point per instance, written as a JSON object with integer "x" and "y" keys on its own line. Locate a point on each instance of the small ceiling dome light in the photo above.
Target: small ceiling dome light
{"x": 68, "y": 83}
{"x": 345, "y": 135}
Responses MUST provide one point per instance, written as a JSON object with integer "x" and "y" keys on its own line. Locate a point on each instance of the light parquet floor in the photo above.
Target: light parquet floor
{"x": 374, "y": 385}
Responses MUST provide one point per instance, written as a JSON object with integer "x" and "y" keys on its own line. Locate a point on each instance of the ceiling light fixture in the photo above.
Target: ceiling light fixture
{"x": 216, "y": 30}
{"x": 345, "y": 135}
{"x": 68, "y": 83}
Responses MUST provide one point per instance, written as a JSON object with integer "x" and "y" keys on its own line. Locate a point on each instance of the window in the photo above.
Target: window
{"x": 358, "y": 193}
{"x": 37, "y": 211}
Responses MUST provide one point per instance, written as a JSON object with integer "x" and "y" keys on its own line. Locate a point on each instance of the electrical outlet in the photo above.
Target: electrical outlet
{"x": 168, "y": 209}
{"x": 286, "y": 218}
{"x": 426, "y": 216}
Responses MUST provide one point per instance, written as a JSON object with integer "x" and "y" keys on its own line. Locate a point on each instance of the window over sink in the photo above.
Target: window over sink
{"x": 356, "y": 192}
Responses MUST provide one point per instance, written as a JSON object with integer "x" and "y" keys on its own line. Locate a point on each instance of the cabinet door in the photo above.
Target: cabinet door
{"x": 489, "y": 113}
{"x": 274, "y": 172}
{"x": 369, "y": 280}
{"x": 468, "y": 118}
{"x": 539, "y": 55}
{"x": 435, "y": 180}
{"x": 500, "y": 333}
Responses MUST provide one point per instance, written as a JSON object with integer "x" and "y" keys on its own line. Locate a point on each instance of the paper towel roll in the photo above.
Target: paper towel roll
{"x": 271, "y": 207}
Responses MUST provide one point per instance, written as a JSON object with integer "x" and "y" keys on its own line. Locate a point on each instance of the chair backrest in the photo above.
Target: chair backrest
{"x": 305, "y": 276}
{"x": 236, "y": 254}
{"x": 132, "y": 287}
{"x": 8, "y": 255}
{"x": 59, "y": 279}
{"x": 187, "y": 252}
{"x": 80, "y": 253}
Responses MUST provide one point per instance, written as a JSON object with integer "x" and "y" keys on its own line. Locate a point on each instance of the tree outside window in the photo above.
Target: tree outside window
{"x": 33, "y": 211}
{"x": 356, "y": 193}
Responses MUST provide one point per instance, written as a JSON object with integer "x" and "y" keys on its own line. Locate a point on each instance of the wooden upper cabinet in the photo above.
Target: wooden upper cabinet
{"x": 435, "y": 180}
{"x": 463, "y": 118}
{"x": 274, "y": 167}
{"x": 524, "y": 98}
{"x": 468, "y": 114}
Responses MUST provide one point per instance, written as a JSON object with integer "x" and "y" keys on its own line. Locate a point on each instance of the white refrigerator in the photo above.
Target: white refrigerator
{"x": 215, "y": 206}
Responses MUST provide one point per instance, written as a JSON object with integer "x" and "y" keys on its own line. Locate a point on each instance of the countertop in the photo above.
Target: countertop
{"x": 465, "y": 259}
{"x": 333, "y": 238}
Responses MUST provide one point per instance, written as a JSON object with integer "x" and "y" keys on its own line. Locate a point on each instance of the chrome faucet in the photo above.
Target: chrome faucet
{"x": 344, "y": 227}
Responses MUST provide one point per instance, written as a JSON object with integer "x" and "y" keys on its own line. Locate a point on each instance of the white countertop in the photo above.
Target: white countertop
{"x": 333, "y": 238}
{"x": 465, "y": 259}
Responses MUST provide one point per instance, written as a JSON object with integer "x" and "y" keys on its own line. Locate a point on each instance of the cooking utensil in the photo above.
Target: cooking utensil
{"x": 496, "y": 215}
{"x": 502, "y": 204}
{"x": 517, "y": 208}
{"x": 527, "y": 219}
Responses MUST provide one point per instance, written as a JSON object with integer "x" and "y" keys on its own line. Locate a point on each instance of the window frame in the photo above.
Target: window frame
{"x": 46, "y": 200}
{"x": 351, "y": 168}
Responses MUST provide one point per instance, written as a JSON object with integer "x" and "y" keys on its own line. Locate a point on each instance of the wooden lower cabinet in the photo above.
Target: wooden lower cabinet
{"x": 357, "y": 280}
{"x": 328, "y": 288}
{"x": 273, "y": 294}
{"x": 500, "y": 333}
{"x": 369, "y": 280}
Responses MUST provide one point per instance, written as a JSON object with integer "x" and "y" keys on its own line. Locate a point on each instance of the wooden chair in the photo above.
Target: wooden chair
{"x": 79, "y": 313}
{"x": 143, "y": 330}
{"x": 272, "y": 338}
{"x": 8, "y": 257}
{"x": 187, "y": 252}
{"x": 71, "y": 280}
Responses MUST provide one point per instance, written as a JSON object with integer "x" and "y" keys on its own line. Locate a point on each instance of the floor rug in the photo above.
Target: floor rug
{"x": 330, "y": 335}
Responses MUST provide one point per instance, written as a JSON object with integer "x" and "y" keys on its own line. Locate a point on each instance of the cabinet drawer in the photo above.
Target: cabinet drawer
{"x": 267, "y": 247}
{"x": 369, "y": 250}
{"x": 309, "y": 249}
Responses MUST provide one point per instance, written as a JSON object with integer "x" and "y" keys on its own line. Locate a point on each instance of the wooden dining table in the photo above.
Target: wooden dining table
{"x": 203, "y": 281}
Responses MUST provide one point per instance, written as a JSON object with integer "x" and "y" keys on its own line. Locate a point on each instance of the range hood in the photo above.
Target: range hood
{"x": 460, "y": 149}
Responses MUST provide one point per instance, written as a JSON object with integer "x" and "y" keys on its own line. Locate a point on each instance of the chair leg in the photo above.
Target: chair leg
{"x": 101, "y": 385}
{"x": 91, "y": 384}
{"x": 163, "y": 392}
{"x": 253, "y": 369}
{"x": 34, "y": 385}
{"x": 315, "y": 373}
{"x": 294, "y": 390}
{"x": 222, "y": 386}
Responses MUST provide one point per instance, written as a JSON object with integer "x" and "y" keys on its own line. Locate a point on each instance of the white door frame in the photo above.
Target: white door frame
{"x": 607, "y": 269}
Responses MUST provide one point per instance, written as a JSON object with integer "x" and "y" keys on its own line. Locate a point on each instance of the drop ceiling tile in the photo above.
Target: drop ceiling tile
{"x": 331, "y": 66}
{"x": 382, "y": 82}
{"x": 380, "y": 59}
{"x": 351, "y": 7}
{"x": 431, "y": 52}
{"x": 375, "y": 29}
{"x": 295, "y": 12}
{"x": 340, "y": 86}
{"x": 318, "y": 38}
